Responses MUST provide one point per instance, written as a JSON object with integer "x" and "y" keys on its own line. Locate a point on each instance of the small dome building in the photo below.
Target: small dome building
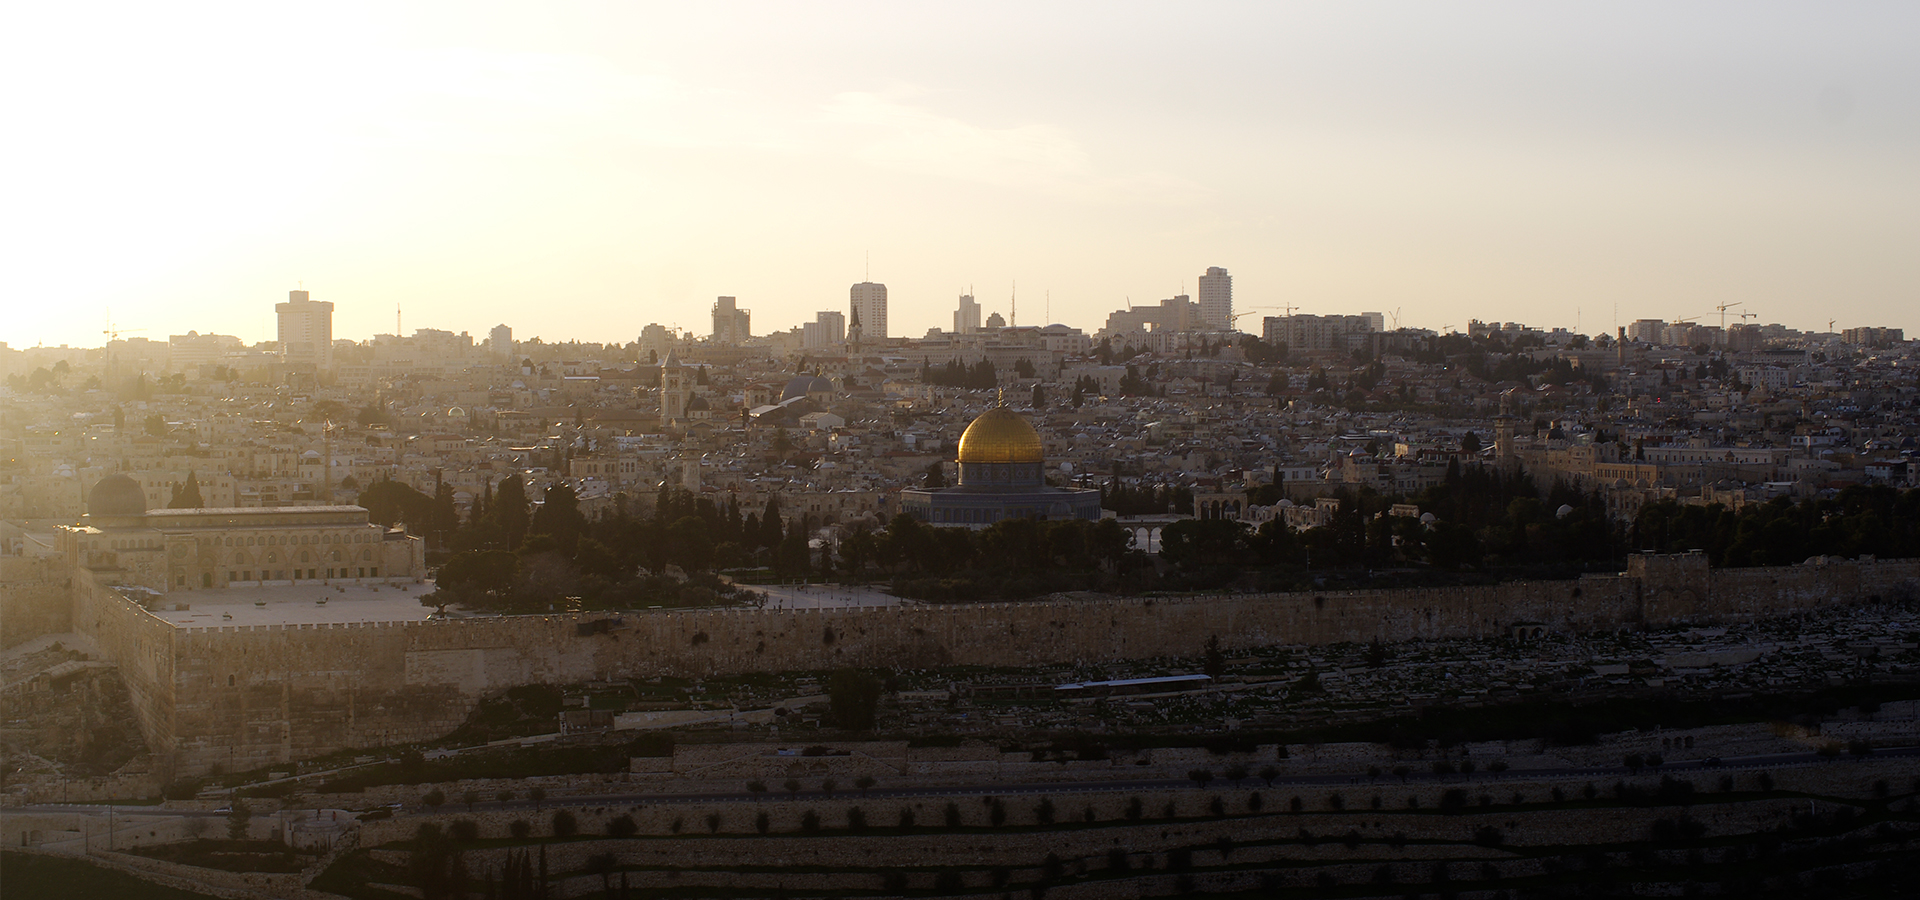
{"x": 1002, "y": 464}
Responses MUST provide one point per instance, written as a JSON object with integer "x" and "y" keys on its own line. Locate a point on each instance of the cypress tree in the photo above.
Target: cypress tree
{"x": 510, "y": 510}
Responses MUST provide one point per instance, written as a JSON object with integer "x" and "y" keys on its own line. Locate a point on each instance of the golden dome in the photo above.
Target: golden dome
{"x": 1000, "y": 436}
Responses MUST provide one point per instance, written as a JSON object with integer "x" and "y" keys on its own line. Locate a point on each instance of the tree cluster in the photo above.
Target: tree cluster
{"x": 1145, "y": 500}
{"x": 1860, "y": 519}
{"x": 1484, "y": 517}
{"x": 979, "y": 376}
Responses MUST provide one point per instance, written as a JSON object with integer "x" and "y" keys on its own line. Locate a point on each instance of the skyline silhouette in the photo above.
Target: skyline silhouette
{"x": 580, "y": 172}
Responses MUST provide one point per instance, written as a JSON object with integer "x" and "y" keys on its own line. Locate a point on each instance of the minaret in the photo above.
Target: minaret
{"x": 1503, "y": 426}
{"x": 326, "y": 464}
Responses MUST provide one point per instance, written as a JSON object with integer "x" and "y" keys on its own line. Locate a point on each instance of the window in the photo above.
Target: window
{"x": 206, "y": 579}
{"x": 376, "y": 571}
{"x": 229, "y": 681}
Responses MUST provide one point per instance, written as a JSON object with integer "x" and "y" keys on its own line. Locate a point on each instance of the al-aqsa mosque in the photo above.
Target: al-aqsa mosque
{"x": 1002, "y": 476}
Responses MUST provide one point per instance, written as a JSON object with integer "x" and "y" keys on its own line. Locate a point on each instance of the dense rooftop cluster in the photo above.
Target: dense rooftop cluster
{"x": 1574, "y": 438}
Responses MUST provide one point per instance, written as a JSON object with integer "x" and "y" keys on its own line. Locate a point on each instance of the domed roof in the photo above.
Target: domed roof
{"x": 116, "y": 495}
{"x": 802, "y": 385}
{"x": 1000, "y": 436}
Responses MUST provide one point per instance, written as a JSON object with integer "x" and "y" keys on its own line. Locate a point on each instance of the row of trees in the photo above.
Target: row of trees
{"x": 1860, "y": 519}
{"x": 1484, "y": 516}
{"x": 979, "y": 376}
{"x": 507, "y": 556}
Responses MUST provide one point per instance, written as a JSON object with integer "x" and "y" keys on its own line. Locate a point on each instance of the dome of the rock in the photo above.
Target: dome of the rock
{"x": 1000, "y": 436}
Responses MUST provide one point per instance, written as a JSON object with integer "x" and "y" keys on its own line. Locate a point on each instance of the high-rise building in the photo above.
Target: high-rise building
{"x": 1309, "y": 333}
{"x": 828, "y": 329}
{"x": 730, "y": 323}
{"x": 1216, "y": 299}
{"x": 966, "y": 319}
{"x": 188, "y": 352}
{"x": 869, "y": 300}
{"x": 306, "y": 331}
{"x": 1178, "y": 313}
{"x": 1873, "y": 336}
{"x": 500, "y": 341}
{"x": 1646, "y": 331}
{"x": 656, "y": 341}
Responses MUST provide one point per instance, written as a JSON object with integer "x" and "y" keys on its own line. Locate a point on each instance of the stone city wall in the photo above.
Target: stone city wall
{"x": 238, "y": 697}
{"x": 34, "y": 599}
{"x": 141, "y": 644}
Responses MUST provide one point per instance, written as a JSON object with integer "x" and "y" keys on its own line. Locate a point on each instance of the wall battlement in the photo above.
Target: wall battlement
{"x": 244, "y": 696}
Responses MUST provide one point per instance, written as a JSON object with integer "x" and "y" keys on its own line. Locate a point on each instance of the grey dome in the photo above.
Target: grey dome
{"x": 803, "y": 385}
{"x": 116, "y": 495}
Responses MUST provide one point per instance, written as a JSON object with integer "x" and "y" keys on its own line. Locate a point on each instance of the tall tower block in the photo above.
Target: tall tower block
{"x": 1216, "y": 299}
{"x": 869, "y": 300}
{"x": 306, "y": 331}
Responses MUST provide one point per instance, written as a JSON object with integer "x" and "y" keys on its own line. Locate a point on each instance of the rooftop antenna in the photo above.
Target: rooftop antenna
{"x": 1049, "y": 316}
{"x": 869, "y": 275}
{"x": 1013, "y": 313}
{"x": 397, "y": 332}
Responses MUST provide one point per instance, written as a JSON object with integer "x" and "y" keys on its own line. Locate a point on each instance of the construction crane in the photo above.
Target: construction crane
{"x": 113, "y": 334}
{"x": 1723, "y": 312}
{"x": 1235, "y": 317}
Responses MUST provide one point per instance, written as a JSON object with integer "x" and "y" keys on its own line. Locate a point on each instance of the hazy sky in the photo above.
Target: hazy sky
{"x": 580, "y": 170}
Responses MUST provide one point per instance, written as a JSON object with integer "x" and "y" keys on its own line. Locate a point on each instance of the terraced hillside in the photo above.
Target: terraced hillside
{"x": 1846, "y": 828}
